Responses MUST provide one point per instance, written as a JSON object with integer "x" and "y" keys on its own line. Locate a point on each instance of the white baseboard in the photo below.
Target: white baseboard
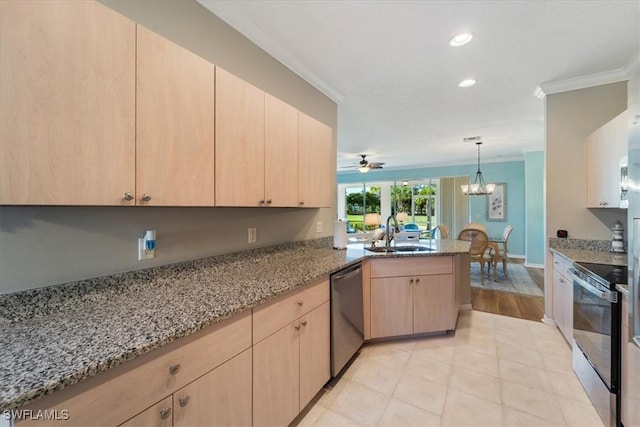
{"x": 548, "y": 320}
{"x": 517, "y": 256}
{"x": 526, "y": 264}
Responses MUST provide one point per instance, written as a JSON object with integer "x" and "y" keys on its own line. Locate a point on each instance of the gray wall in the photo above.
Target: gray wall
{"x": 570, "y": 117}
{"x": 41, "y": 246}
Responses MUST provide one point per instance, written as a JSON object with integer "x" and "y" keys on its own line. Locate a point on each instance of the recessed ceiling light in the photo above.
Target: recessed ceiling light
{"x": 467, "y": 83}
{"x": 460, "y": 39}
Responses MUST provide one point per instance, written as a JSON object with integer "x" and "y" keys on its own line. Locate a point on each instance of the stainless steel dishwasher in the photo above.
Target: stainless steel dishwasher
{"x": 347, "y": 318}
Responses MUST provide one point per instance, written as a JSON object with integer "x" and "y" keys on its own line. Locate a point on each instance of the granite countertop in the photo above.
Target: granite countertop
{"x": 593, "y": 256}
{"x": 585, "y": 250}
{"x": 53, "y": 337}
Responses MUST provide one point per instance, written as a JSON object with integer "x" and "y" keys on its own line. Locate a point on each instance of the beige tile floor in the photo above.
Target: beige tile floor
{"x": 494, "y": 371}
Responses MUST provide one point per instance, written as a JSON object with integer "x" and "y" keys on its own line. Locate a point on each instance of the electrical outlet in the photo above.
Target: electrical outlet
{"x": 319, "y": 227}
{"x": 253, "y": 235}
{"x": 143, "y": 252}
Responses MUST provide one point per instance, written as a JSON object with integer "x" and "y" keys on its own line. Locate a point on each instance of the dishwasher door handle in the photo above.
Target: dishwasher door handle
{"x": 348, "y": 274}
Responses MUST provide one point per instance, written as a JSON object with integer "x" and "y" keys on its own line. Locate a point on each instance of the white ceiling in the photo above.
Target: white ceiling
{"x": 389, "y": 67}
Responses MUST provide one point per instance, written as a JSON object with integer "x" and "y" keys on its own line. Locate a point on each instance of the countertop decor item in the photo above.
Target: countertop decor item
{"x": 617, "y": 240}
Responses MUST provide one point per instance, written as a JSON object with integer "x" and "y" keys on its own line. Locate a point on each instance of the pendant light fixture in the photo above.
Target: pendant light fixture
{"x": 478, "y": 188}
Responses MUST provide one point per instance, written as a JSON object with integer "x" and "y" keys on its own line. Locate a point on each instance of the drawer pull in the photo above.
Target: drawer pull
{"x": 300, "y": 302}
{"x": 417, "y": 280}
{"x": 297, "y": 327}
{"x": 165, "y": 413}
{"x": 127, "y": 196}
{"x": 304, "y": 323}
{"x": 410, "y": 280}
{"x": 174, "y": 369}
{"x": 146, "y": 197}
{"x": 184, "y": 401}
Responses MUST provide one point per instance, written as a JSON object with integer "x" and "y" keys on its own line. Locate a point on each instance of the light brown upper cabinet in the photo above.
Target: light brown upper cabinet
{"x": 239, "y": 150}
{"x": 175, "y": 124}
{"x": 314, "y": 162}
{"x": 67, "y": 104}
{"x": 281, "y": 153}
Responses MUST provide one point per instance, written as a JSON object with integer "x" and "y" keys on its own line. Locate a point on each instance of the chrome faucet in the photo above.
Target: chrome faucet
{"x": 388, "y": 230}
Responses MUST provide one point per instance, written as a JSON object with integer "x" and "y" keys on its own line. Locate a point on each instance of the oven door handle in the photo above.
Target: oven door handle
{"x": 605, "y": 295}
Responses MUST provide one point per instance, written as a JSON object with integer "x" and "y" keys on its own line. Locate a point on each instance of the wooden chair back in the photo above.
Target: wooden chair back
{"x": 443, "y": 229}
{"x": 478, "y": 238}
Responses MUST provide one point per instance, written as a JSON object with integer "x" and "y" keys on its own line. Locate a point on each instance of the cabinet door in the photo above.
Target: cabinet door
{"x": 433, "y": 303}
{"x": 281, "y": 153}
{"x": 391, "y": 306}
{"x": 276, "y": 377}
{"x": 159, "y": 415}
{"x": 67, "y": 103}
{"x": 567, "y": 310}
{"x": 314, "y": 353}
{"x": 174, "y": 124}
{"x": 594, "y": 169}
{"x": 558, "y": 299}
{"x": 239, "y": 142}
{"x": 315, "y": 163}
{"x": 220, "y": 398}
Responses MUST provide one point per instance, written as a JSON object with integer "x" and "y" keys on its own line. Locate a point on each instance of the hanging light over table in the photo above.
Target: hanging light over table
{"x": 478, "y": 188}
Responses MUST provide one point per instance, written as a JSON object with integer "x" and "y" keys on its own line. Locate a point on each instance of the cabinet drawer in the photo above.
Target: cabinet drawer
{"x": 562, "y": 265}
{"x": 114, "y": 396}
{"x": 413, "y": 266}
{"x": 273, "y": 315}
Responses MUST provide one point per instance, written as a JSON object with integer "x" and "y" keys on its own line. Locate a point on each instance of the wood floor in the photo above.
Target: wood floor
{"x": 509, "y": 304}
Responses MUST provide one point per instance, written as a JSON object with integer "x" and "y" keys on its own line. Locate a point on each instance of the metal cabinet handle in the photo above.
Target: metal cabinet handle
{"x": 184, "y": 401}
{"x": 411, "y": 281}
{"x": 296, "y": 327}
{"x": 301, "y": 203}
{"x": 300, "y": 303}
{"x": 304, "y": 323}
{"x": 561, "y": 280}
{"x": 127, "y": 196}
{"x": 261, "y": 202}
{"x": 556, "y": 262}
{"x": 146, "y": 197}
{"x": 268, "y": 201}
{"x": 165, "y": 413}
{"x": 174, "y": 369}
{"x": 417, "y": 280}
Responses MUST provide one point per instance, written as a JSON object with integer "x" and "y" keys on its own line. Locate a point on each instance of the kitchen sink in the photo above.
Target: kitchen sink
{"x": 399, "y": 249}
{"x": 412, "y": 248}
{"x": 380, "y": 249}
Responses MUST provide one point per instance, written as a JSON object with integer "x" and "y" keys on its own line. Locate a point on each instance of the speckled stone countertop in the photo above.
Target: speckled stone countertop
{"x": 582, "y": 250}
{"x": 53, "y": 337}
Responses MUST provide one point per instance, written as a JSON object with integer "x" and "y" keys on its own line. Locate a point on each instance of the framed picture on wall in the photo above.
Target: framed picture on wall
{"x": 497, "y": 203}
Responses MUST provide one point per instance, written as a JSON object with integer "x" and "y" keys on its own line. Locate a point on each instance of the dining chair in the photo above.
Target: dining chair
{"x": 502, "y": 254}
{"x": 479, "y": 243}
{"x": 443, "y": 229}
{"x": 477, "y": 226}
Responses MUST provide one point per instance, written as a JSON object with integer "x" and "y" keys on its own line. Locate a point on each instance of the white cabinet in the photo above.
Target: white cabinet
{"x": 604, "y": 149}
{"x": 290, "y": 354}
{"x": 412, "y": 296}
{"x": 563, "y": 296}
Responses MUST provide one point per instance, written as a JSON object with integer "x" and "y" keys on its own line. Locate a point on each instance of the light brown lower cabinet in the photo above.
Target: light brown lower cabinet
{"x": 412, "y": 296}
{"x": 291, "y": 365}
{"x": 221, "y": 397}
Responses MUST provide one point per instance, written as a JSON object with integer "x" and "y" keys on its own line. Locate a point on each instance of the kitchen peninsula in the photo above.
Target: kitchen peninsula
{"x": 58, "y": 336}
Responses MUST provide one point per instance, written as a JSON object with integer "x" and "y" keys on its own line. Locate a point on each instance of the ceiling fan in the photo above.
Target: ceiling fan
{"x": 364, "y": 165}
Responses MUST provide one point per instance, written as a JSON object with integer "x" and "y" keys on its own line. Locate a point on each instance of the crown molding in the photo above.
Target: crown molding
{"x": 226, "y": 11}
{"x": 612, "y": 76}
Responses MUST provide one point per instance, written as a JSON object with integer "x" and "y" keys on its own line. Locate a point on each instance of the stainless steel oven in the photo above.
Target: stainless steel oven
{"x": 596, "y": 335}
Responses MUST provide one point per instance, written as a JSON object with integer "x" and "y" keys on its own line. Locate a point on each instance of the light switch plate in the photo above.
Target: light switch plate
{"x": 319, "y": 227}
{"x": 253, "y": 235}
